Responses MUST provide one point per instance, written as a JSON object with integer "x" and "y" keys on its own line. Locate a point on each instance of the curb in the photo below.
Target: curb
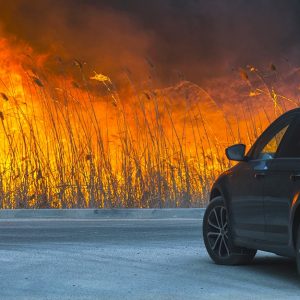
{"x": 164, "y": 213}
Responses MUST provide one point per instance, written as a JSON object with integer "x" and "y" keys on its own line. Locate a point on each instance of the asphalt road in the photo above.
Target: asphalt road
{"x": 129, "y": 259}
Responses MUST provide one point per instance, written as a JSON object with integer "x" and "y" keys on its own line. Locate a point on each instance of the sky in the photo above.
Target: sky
{"x": 195, "y": 39}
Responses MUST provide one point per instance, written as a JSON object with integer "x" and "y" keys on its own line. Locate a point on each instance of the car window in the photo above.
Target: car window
{"x": 270, "y": 148}
{"x": 291, "y": 148}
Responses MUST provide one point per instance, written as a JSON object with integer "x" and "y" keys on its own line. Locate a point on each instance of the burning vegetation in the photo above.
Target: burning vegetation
{"x": 113, "y": 104}
{"x": 75, "y": 140}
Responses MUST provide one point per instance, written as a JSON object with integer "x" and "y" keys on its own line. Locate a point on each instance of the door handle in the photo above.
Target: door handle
{"x": 259, "y": 175}
{"x": 295, "y": 177}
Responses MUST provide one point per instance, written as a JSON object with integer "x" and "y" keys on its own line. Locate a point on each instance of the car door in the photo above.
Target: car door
{"x": 246, "y": 206}
{"x": 247, "y": 185}
{"x": 282, "y": 186}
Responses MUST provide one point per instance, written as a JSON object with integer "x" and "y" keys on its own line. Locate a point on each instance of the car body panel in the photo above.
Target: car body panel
{"x": 279, "y": 191}
{"x": 246, "y": 201}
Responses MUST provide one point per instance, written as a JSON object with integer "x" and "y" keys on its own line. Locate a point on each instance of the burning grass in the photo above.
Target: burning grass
{"x": 63, "y": 145}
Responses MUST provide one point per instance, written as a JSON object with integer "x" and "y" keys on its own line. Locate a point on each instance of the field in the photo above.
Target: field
{"x": 82, "y": 141}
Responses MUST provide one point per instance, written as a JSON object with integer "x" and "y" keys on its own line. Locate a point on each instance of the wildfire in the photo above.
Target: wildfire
{"x": 67, "y": 143}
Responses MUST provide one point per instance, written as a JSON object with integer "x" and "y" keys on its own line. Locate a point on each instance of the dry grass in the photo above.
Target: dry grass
{"x": 64, "y": 147}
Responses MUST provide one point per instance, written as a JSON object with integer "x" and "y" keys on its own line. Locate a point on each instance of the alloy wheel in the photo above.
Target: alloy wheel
{"x": 217, "y": 233}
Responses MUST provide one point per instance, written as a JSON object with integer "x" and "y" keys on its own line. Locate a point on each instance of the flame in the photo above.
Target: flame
{"x": 77, "y": 141}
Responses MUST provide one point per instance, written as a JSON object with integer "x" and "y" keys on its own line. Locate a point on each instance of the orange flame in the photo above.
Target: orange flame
{"x": 83, "y": 143}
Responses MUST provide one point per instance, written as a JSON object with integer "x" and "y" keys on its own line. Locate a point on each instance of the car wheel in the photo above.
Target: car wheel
{"x": 218, "y": 238}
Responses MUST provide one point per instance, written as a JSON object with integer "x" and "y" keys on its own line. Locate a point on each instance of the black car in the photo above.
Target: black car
{"x": 255, "y": 205}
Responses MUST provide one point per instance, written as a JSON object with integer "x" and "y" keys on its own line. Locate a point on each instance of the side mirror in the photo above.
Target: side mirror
{"x": 236, "y": 152}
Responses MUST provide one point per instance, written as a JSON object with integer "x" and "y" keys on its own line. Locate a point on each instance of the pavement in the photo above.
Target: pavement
{"x": 129, "y": 259}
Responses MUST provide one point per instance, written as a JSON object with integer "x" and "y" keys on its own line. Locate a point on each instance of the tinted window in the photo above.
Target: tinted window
{"x": 271, "y": 146}
{"x": 291, "y": 147}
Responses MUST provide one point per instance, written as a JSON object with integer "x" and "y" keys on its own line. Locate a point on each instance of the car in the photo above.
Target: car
{"x": 255, "y": 205}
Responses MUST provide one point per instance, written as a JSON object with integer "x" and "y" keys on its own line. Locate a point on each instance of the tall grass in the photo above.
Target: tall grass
{"x": 63, "y": 146}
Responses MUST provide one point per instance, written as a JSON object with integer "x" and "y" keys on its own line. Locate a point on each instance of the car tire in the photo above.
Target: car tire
{"x": 217, "y": 236}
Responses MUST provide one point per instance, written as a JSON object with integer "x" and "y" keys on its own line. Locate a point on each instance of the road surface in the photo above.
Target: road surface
{"x": 129, "y": 259}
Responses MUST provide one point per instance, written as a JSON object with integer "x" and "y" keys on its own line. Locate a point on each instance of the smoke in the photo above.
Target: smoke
{"x": 168, "y": 40}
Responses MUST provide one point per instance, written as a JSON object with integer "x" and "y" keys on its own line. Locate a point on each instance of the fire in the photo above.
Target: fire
{"x": 84, "y": 143}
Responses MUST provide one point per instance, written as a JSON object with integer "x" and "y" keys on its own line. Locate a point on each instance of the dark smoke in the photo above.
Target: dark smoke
{"x": 166, "y": 39}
